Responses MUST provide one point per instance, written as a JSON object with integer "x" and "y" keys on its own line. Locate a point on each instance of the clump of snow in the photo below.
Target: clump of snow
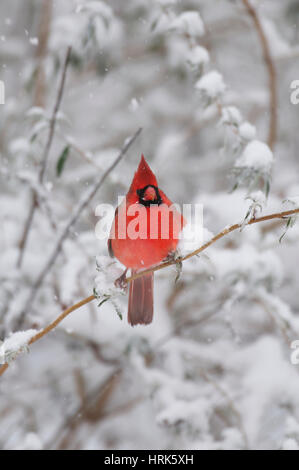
{"x": 258, "y": 198}
{"x": 231, "y": 115}
{"x": 90, "y": 28}
{"x": 198, "y": 56}
{"x": 256, "y": 155}
{"x": 247, "y": 131}
{"x": 211, "y": 84}
{"x": 109, "y": 271}
{"x": 34, "y": 41}
{"x": 192, "y": 237}
{"x": 104, "y": 286}
{"x": 189, "y": 23}
{"x": 15, "y": 344}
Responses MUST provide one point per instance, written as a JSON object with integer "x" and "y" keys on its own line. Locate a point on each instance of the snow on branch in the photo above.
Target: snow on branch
{"x": 105, "y": 288}
{"x": 16, "y": 344}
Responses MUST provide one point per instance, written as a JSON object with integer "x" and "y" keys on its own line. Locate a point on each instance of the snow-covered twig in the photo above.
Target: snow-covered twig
{"x": 44, "y": 161}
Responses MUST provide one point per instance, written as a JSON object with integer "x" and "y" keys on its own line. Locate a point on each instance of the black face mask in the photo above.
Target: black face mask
{"x": 148, "y": 202}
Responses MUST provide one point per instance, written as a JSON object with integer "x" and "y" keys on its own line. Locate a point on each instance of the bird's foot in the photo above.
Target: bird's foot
{"x": 176, "y": 258}
{"x": 121, "y": 282}
{"x": 173, "y": 256}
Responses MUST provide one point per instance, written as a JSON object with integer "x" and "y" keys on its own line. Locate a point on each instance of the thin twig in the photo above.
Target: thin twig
{"x": 28, "y": 223}
{"x": 54, "y": 116}
{"x": 44, "y": 161}
{"x": 272, "y": 134}
{"x": 74, "y": 217}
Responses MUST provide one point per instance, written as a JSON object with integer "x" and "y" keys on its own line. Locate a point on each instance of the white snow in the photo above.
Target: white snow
{"x": 134, "y": 105}
{"x": 231, "y": 115}
{"x": 247, "y": 131}
{"x": 198, "y": 56}
{"x": 211, "y": 84}
{"x": 20, "y": 145}
{"x": 256, "y": 155}
{"x": 290, "y": 444}
{"x": 108, "y": 272}
{"x": 15, "y": 344}
{"x": 258, "y": 197}
{"x": 33, "y": 41}
{"x": 192, "y": 237}
{"x": 189, "y": 23}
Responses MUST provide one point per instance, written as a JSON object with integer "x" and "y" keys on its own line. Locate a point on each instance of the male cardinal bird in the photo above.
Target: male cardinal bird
{"x": 143, "y": 241}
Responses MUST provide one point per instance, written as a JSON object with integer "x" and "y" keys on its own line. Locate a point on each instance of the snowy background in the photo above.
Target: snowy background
{"x": 213, "y": 371}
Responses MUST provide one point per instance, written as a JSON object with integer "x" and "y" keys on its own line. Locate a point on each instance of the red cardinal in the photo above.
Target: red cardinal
{"x": 144, "y": 240}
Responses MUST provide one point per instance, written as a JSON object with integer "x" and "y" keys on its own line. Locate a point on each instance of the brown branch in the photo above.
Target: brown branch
{"x": 272, "y": 133}
{"x": 24, "y": 238}
{"x": 226, "y": 231}
{"x": 44, "y": 161}
{"x": 54, "y": 116}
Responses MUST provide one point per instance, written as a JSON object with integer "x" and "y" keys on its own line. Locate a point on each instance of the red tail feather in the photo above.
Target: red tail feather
{"x": 141, "y": 300}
